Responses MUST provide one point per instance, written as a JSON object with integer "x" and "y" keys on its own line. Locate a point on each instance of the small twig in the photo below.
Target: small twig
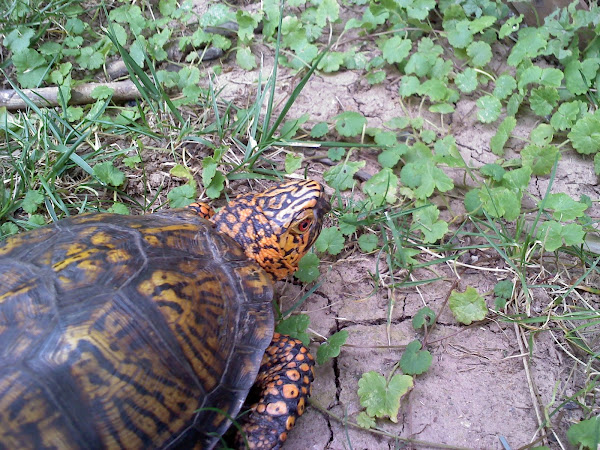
{"x": 80, "y": 95}
{"x": 454, "y": 285}
{"x": 532, "y": 391}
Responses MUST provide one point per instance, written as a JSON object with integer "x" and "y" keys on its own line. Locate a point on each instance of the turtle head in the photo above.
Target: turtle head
{"x": 278, "y": 226}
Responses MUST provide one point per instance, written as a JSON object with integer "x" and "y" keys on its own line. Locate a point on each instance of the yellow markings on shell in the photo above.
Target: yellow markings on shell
{"x": 76, "y": 248}
{"x": 129, "y": 435}
{"x": 158, "y": 277}
{"x": 185, "y": 266}
{"x": 34, "y": 411}
{"x": 262, "y": 330}
{"x": 167, "y": 235}
{"x": 186, "y": 290}
{"x": 152, "y": 240}
{"x": 16, "y": 292}
{"x": 247, "y": 368}
{"x": 10, "y": 244}
{"x": 218, "y": 420}
{"x": 102, "y": 239}
{"x": 116, "y": 387}
{"x": 256, "y": 283}
{"x": 118, "y": 256}
{"x": 74, "y": 258}
{"x": 17, "y": 348}
{"x": 176, "y": 228}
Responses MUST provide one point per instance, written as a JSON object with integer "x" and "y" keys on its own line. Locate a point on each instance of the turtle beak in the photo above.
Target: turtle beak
{"x": 323, "y": 205}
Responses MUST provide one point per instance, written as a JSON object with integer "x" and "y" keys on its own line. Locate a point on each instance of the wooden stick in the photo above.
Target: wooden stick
{"x": 80, "y": 95}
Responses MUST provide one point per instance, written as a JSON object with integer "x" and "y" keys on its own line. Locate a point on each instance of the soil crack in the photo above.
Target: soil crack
{"x": 372, "y": 322}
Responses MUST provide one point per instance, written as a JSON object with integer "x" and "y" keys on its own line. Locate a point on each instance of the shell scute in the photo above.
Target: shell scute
{"x": 135, "y": 317}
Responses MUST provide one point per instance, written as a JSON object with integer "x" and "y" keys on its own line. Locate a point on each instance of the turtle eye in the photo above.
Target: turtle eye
{"x": 304, "y": 225}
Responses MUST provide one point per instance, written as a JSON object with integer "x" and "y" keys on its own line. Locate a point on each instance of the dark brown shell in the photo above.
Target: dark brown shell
{"x": 119, "y": 331}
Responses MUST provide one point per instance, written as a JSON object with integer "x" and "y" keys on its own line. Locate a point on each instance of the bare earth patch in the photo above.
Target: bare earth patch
{"x": 488, "y": 381}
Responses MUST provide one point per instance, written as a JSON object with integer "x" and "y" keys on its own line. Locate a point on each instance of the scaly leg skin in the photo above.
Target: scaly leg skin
{"x": 284, "y": 381}
{"x": 204, "y": 210}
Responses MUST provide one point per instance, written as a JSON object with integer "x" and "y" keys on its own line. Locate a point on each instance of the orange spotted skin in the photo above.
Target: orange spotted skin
{"x": 202, "y": 209}
{"x": 270, "y": 226}
{"x": 149, "y": 331}
{"x": 284, "y": 381}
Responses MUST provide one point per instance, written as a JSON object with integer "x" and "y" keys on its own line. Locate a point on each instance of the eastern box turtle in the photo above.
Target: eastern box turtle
{"x": 149, "y": 331}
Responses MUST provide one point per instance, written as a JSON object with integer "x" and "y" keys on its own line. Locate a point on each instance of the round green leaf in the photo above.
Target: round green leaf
{"x": 367, "y": 242}
{"x": 423, "y": 316}
{"x": 308, "y": 268}
{"x": 415, "y": 361}
{"x": 331, "y": 348}
{"x": 295, "y": 326}
{"x": 181, "y": 196}
{"x": 480, "y": 53}
{"x": 382, "y": 399}
{"x": 468, "y": 306}
{"x": 350, "y": 123}
{"x": 319, "y": 130}
{"x": 489, "y": 108}
{"x": 467, "y": 80}
{"x": 330, "y": 240}
{"x": 585, "y": 135}
{"x": 245, "y": 59}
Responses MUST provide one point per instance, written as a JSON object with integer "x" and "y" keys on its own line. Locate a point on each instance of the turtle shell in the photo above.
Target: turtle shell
{"x": 127, "y": 331}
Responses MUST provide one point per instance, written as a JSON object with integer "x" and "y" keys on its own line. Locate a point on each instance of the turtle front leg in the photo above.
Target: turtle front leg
{"x": 204, "y": 210}
{"x": 284, "y": 381}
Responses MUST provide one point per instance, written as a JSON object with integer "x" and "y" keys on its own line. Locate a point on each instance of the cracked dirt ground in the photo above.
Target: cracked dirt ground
{"x": 488, "y": 381}
{"x": 485, "y": 383}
